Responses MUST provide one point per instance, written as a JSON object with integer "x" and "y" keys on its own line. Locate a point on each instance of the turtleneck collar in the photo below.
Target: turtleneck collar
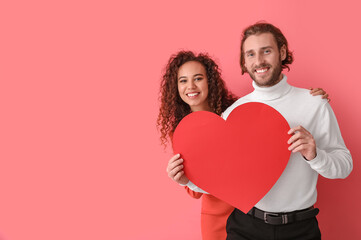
{"x": 272, "y": 93}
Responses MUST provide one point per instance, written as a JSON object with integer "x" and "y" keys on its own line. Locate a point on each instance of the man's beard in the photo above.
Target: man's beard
{"x": 274, "y": 78}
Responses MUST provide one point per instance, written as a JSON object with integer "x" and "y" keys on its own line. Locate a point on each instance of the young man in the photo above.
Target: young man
{"x": 286, "y": 212}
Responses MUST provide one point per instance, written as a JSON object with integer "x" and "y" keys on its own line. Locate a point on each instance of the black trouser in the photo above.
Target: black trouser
{"x": 242, "y": 226}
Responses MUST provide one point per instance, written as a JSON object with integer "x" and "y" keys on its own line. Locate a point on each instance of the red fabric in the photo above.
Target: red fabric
{"x": 193, "y": 194}
{"x": 214, "y": 216}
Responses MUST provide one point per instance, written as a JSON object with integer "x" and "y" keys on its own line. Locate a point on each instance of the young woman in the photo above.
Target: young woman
{"x": 193, "y": 83}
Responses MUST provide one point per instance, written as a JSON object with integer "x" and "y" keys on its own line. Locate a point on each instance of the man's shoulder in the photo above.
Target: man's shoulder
{"x": 304, "y": 95}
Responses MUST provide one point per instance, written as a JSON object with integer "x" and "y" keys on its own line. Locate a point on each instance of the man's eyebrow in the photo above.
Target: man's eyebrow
{"x": 262, "y": 48}
{"x": 266, "y": 47}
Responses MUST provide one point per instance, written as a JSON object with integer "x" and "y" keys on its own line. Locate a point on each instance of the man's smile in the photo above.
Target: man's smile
{"x": 262, "y": 70}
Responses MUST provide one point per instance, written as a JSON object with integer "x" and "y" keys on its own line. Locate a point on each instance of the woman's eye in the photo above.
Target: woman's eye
{"x": 198, "y": 79}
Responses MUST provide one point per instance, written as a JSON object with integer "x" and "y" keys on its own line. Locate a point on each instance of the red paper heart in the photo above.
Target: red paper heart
{"x": 238, "y": 160}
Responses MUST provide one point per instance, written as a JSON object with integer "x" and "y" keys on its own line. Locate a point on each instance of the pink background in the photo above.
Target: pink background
{"x": 79, "y": 152}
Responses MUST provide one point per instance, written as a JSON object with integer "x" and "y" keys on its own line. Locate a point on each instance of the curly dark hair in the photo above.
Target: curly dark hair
{"x": 173, "y": 109}
{"x": 263, "y": 27}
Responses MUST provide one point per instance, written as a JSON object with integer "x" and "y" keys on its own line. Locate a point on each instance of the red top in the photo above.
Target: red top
{"x": 214, "y": 216}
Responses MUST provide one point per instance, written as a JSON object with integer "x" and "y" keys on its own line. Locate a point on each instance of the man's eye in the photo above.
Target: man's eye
{"x": 250, "y": 55}
{"x": 267, "y": 51}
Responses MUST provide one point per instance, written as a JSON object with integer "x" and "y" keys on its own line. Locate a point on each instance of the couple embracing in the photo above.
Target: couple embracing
{"x": 193, "y": 83}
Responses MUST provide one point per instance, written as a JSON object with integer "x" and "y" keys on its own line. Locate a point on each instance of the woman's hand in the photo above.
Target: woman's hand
{"x": 319, "y": 91}
{"x": 175, "y": 170}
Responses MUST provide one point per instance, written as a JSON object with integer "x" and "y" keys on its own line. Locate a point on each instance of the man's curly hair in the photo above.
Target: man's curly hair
{"x": 173, "y": 109}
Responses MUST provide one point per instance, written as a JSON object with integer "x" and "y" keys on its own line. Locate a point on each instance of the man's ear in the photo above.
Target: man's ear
{"x": 283, "y": 52}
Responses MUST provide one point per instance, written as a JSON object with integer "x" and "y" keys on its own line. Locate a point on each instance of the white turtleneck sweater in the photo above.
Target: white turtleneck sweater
{"x": 296, "y": 188}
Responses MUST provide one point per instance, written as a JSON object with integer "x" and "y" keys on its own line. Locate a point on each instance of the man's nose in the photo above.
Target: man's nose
{"x": 259, "y": 59}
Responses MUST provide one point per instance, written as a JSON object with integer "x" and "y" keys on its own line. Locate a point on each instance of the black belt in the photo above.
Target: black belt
{"x": 284, "y": 217}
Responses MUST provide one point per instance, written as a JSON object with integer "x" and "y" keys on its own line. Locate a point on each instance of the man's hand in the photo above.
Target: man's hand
{"x": 302, "y": 141}
{"x": 175, "y": 170}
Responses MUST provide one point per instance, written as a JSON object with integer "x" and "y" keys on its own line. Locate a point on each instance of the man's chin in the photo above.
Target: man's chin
{"x": 267, "y": 81}
{"x": 261, "y": 82}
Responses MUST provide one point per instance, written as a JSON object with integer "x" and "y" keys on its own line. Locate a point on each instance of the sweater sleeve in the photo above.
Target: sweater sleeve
{"x": 193, "y": 194}
{"x": 194, "y": 188}
{"x": 333, "y": 159}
